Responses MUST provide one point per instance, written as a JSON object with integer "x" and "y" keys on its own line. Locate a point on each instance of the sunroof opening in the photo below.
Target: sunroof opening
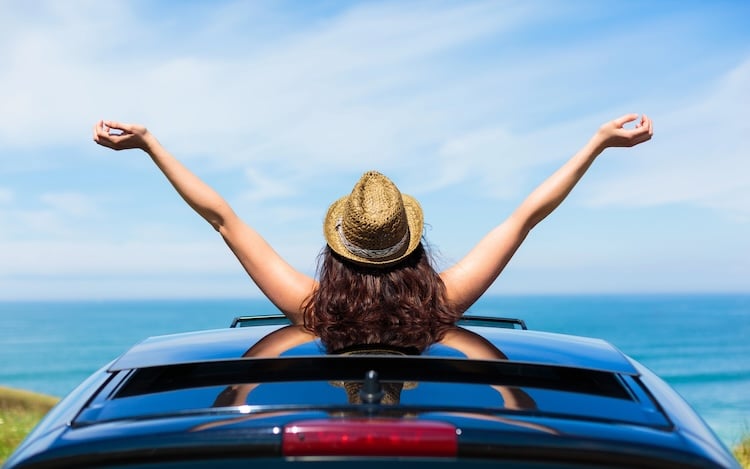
{"x": 389, "y": 368}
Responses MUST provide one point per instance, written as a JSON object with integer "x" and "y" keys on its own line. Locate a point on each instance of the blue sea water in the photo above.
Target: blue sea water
{"x": 700, "y": 344}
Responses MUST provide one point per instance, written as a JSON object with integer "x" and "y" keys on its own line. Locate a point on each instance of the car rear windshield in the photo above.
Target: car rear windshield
{"x": 324, "y": 382}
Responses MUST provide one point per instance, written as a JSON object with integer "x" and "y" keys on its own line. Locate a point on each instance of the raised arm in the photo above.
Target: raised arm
{"x": 467, "y": 280}
{"x": 286, "y": 287}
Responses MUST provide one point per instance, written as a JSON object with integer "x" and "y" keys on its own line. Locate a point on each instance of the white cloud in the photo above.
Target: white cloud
{"x": 330, "y": 94}
{"x": 6, "y": 195}
{"x": 70, "y": 203}
{"x": 33, "y": 224}
{"x": 107, "y": 259}
{"x": 482, "y": 99}
{"x": 698, "y": 155}
{"x": 93, "y": 257}
{"x": 264, "y": 188}
{"x": 376, "y": 85}
{"x": 51, "y": 80}
{"x": 60, "y": 216}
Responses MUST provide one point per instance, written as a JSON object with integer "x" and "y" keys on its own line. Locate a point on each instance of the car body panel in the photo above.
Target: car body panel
{"x": 163, "y": 404}
{"x": 253, "y": 434}
{"x": 523, "y": 346}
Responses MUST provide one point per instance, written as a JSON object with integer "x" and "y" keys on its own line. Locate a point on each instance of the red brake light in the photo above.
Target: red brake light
{"x": 370, "y": 437}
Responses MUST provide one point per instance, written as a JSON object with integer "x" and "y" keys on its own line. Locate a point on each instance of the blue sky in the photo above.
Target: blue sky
{"x": 282, "y": 105}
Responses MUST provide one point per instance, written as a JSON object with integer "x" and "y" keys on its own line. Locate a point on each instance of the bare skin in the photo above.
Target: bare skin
{"x": 288, "y": 288}
{"x": 280, "y": 282}
{"x": 465, "y": 281}
{"x": 469, "y": 343}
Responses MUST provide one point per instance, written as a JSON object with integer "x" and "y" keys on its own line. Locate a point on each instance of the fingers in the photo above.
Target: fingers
{"x": 96, "y": 131}
{"x": 645, "y": 125}
{"x": 103, "y": 135}
{"x": 642, "y": 133}
{"x": 620, "y": 121}
{"x": 114, "y": 128}
{"x": 119, "y": 136}
{"x": 616, "y": 134}
{"x": 117, "y": 125}
{"x": 650, "y": 125}
{"x": 100, "y": 132}
{"x": 103, "y": 127}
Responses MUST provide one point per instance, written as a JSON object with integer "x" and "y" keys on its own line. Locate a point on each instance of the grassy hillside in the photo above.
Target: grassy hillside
{"x": 19, "y": 412}
{"x": 742, "y": 453}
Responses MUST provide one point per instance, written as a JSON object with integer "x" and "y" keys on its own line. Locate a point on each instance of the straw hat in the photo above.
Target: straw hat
{"x": 376, "y": 224}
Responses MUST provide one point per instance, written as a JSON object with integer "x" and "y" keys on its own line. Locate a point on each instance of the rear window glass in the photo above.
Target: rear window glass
{"x": 249, "y": 398}
{"x": 443, "y": 380}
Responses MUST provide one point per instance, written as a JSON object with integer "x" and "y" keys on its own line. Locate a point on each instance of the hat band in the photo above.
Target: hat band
{"x": 370, "y": 253}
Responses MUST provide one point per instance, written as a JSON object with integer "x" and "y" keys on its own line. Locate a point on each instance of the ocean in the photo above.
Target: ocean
{"x": 700, "y": 344}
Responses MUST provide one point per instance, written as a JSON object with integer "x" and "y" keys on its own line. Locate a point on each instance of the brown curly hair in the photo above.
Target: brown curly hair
{"x": 402, "y": 306}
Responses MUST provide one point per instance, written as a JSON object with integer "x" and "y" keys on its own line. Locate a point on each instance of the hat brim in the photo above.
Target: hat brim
{"x": 414, "y": 218}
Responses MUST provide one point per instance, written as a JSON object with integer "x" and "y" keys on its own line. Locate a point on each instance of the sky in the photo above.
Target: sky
{"x": 282, "y": 105}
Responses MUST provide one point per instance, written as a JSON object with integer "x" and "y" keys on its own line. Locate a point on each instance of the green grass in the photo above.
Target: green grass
{"x": 742, "y": 452}
{"x": 19, "y": 412}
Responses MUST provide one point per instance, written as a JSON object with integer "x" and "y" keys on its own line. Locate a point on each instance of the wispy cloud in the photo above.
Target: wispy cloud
{"x": 699, "y": 155}
{"x": 70, "y": 203}
{"x": 63, "y": 257}
{"x": 6, "y": 195}
{"x": 282, "y": 105}
{"x": 46, "y": 215}
{"x": 264, "y": 188}
{"x": 355, "y": 86}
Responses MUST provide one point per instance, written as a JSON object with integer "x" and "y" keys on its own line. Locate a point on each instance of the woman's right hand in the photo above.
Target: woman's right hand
{"x": 118, "y": 136}
{"x": 614, "y": 134}
{"x": 286, "y": 287}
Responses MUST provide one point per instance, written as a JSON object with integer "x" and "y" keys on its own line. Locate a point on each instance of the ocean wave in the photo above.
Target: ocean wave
{"x": 708, "y": 377}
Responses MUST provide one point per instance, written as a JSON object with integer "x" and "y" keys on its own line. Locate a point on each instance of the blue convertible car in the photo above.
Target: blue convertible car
{"x": 195, "y": 400}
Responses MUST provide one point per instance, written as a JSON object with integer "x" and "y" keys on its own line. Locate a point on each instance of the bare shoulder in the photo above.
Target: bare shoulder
{"x": 471, "y": 344}
{"x": 279, "y": 341}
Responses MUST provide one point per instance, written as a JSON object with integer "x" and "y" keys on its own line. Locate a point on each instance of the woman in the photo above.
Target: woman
{"x": 376, "y": 285}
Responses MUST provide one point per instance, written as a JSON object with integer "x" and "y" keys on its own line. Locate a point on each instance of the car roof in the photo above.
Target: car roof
{"x": 518, "y": 345}
{"x": 576, "y": 372}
